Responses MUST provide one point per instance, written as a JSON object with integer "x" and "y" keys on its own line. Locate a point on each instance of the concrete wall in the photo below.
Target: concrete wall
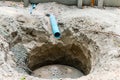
{"x": 111, "y": 2}
{"x": 68, "y": 2}
{"x": 12, "y": 0}
{"x": 74, "y": 2}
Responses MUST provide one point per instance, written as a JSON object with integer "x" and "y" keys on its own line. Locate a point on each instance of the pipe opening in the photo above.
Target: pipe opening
{"x": 57, "y": 35}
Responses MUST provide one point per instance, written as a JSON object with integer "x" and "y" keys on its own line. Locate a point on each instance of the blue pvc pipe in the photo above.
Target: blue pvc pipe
{"x": 54, "y": 26}
{"x": 32, "y": 7}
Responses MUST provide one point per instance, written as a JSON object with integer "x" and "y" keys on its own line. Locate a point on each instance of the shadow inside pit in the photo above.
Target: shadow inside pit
{"x": 71, "y": 55}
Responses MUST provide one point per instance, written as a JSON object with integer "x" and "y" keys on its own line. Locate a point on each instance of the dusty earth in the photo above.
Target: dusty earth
{"x": 57, "y": 71}
{"x": 90, "y": 41}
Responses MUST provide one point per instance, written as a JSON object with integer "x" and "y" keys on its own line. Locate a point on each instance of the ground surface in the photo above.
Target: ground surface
{"x": 99, "y": 25}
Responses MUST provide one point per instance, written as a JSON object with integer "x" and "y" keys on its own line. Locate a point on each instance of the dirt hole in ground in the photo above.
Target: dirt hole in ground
{"x": 60, "y": 60}
{"x": 68, "y": 58}
{"x": 58, "y": 54}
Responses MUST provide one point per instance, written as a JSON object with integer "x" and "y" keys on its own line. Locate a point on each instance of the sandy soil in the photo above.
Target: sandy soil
{"x": 100, "y": 25}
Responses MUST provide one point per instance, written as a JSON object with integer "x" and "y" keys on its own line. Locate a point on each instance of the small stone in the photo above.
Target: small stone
{"x": 114, "y": 53}
{"x": 21, "y": 19}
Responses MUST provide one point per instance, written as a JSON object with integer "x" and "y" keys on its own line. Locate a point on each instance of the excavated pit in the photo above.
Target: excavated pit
{"x": 79, "y": 56}
{"x": 67, "y": 57}
{"x": 49, "y": 54}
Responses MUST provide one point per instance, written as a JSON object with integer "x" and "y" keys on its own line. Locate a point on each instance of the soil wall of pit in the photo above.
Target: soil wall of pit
{"x": 76, "y": 51}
